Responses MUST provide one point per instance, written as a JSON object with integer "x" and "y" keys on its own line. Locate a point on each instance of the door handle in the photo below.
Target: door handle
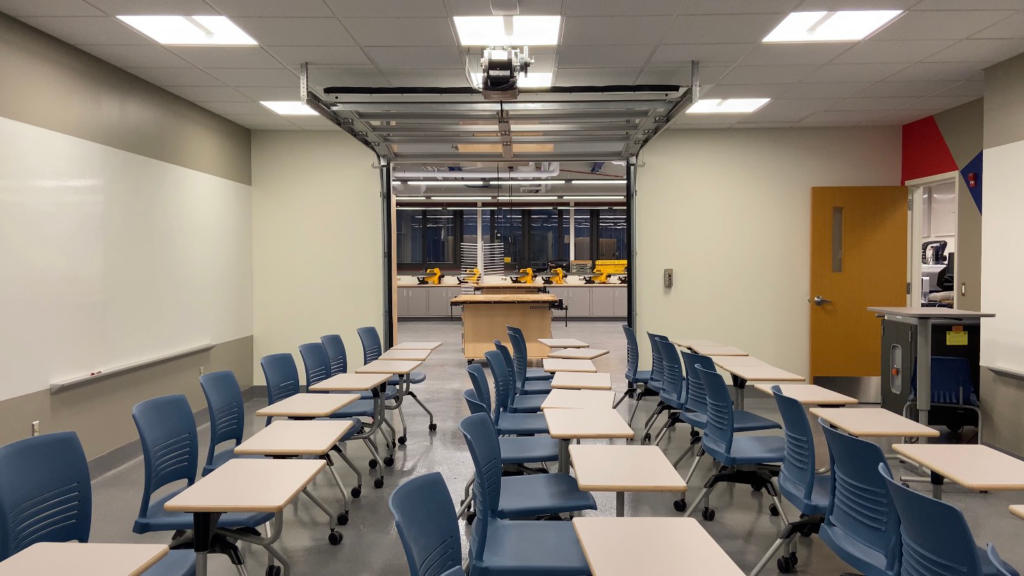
{"x": 819, "y": 301}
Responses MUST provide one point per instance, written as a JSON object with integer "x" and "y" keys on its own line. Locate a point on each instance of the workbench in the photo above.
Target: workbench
{"x": 485, "y": 317}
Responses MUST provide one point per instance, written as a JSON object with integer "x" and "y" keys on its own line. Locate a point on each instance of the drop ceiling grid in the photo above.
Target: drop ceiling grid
{"x": 927, "y": 60}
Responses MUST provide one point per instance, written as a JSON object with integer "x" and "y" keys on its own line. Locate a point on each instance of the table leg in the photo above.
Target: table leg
{"x": 924, "y": 369}
{"x": 620, "y": 504}
{"x": 937, "y": 482}
{"x": 202, "y": 536}
{"x": 563, "y": 456}
{"x": 741, "y": 388}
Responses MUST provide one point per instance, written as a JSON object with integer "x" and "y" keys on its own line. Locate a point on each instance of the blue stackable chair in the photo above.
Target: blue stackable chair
{"x": 428, "y": 527}
{"x": 227, "y": 416}
{"x": 517, "y": 450}
{"x": 672, "y": 398}
{"x": 799, "y": 482}
{"x": 501, "y": 547}
{"x": 935, "y": 537}
{"x": 1002, "y": 568}
{"x": 634, "y": 376}
{"x": 519, "y": 402}
{"x": 531, "y": 374}
{"x": 372, "y": 350}
{"x": 336, "y": 353}
{"x": 952, "y": 387}
{"x": 46, "y": 496}
{"x": 653, "y": 385}
{"x": 170, "y": 452}
{"x": 751, "y": 460}
{"x": 861, "y": 523}
{"x": 507, "y": 423}
{"x": 524, "y": 385}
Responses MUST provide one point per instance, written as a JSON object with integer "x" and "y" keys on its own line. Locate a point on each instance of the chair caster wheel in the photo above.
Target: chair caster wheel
{"x": 357, "y": 491}
{"x": 773, "y": 510}
{"x": 402, "y": 440}
{"x": 679, "y": 505}
{"x": 757, "y": 488}
{"x": 432, "y": 427}
{"x": 793, "y": 558}
{"x": 273, "y": 571}
{"x": 905, "y": 485}
{"x": 393, "y": 446}
{"x": 694, "y": 434}
{"x": 646, "y": 438}
{"x": 708, "y": 514}
{"x": 378, "y": 483}
{"x": 334, "y": 538}
{"x": 470, "y": 517}
{"x": 389, "y": 461}
{"x": 785, "y": 565}
{"x": 373, "y": 463}
{"x": 342, "y": 518}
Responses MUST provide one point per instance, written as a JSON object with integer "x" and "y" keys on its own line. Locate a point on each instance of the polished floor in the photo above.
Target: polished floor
{"x": 742, "y": 526}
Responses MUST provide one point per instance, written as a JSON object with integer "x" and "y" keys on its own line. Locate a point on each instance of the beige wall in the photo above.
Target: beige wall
{"x": 729, "y": 211}
{"x": 316, "y": 242}
{"x": 1004, "y": 98}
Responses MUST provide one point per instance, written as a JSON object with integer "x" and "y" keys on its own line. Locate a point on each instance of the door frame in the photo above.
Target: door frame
{"x": 915, "y": 192}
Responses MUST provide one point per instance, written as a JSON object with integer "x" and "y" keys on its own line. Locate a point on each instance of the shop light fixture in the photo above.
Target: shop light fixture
{"x": 531, "y": 198}
{"x": 530, "y": 80}
{"x": 289, "y": 107}
{"x": 190, "y": 30}
{"x": 844, "y": 26}
{"x": 729, "y": 106}
{"x": 492, "y": 30}
{"x": 593, "y": 197}
{"x": 528, "y": 182}
{"x": 462, "y": 198}
{"x": 596, "y": 181}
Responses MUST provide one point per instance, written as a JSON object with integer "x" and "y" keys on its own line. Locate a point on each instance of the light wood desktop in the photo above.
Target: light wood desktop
{"x": 621, "y": 469}
{"x": 717, "y": 350}
{"x": 578, "y": 399}
{"x": 727, "y": 362}
{"x": 563, "y": 343}
{"x": 578, "y": 353}
{"x": 563, "y": 365}
{"x": 566, "y": 425}
{"x": 89, "y": 559}
{"x": 307, "y": 406}
{"x": 743, "y": 372}
{"x": 808, "y": 394}
{"x": 667, "y": 545}
{"x": 1017, "y": 510}
{"x": 296, "y": 438}
{"x": 400, "y": 367}
{"x": 975, "y": 467}
{"x": 416, "y": 346}
{"x": 689, "y": 343}
{"x": 350, "y": 382}
{"x": 873, "y": 423}
{"x": 581, "y": 381}
{"x": 393, "y": 354}
{"x": 485, "y": 318}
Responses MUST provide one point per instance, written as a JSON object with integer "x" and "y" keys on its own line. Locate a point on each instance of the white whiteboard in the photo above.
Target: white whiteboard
{"x": 1002, "y": 269}
{"x": 108, "y": 258}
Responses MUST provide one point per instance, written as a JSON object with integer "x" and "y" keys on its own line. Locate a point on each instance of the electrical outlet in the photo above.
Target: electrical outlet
{"x": 35, "y": 428}
{"x": 200, "y": 370}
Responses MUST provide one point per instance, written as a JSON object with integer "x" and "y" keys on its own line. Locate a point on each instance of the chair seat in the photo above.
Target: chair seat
{"x": 536, "y": 387}
{"x": 528, "y": 450}
{"x": 528, "y": 403}
{"x": 818, "y": 503}
{"x": 160, "y": 520}
{"x": 671, "y": 402}
{"x": 751, "y": 450}
{"x": 653, "y": 386}
{"x": 219, "y": 458}
{"x": 414, "y": 378}
{"x": 642, "y": 377}
{"x": 176, "y": 563}
{"x": 363, "y": 408}
{"x": 541, "y": 548}
{"x": 513, "y": 424}
{"x": 533, "y": 374}
{"x": 541, "y": 494}
{"x": 744, "y": 421}
{"x": 695, "y": 419}
{"x": 850, "y": 550}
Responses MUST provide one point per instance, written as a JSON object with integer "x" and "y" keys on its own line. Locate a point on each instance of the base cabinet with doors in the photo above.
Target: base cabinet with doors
{"x": 583, "y": 301}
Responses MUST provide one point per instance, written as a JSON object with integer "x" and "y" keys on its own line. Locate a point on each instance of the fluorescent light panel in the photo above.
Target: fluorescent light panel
{"x": 593, "y": 197}
{"x": 490, "y": 30}
{"x": 596, "y": 181}
{"x": 729, "y": 106}
{"x": 531, "y": 198}
{"x": 530, "y": 80}
{"x": 190, "y": 30}
{"x": 845, "y": 26}
{"x": 289, "y": 108}
{"x": 462, "y": 198}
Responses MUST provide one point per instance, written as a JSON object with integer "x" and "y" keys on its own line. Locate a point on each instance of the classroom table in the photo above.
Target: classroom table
{"x": 403, "y": 369}
{"x": 738, "y": 361}
{"x": 563, "y": 365}
{"x": 395, "y": 354}
{"x": 873, "y": 423}
{"x": 717, "y": 350}
{"x": 742, "y": 374}
{"x": 486, "y": 317}
{"x": 621, "y": 546}
{"x": 244, "y": 485}
{"x": 375, "y": 383}
{"x": 63, "y": 558}
{"x": 307, "y": 406}
{"x": 808, "y": 394}
{"x": 689, "y": 343}
{"x": 578, "y": 353}
{"x": 566, "y": 425}
{"x": 416, "y": 346}
{"x": 563, "y": 343}
{"x": 581, "y": 381}
{"x": 1017, "y": 510}
{"x": 622, "y": 469}
{"x": 578, "y": 399}
{"x": 972, "y": 466}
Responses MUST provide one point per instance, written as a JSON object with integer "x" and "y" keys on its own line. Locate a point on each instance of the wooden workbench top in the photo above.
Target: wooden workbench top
{"x": 727, "y": 362}
{"x": 873, "y": 423}
{"x": 972, "y": 466}
{"x": 717, "y": 350}
{"x": 505, "y": 299}
{"x": 624, "y": 468}
{"x": 296, "y": 438}
{"x": 247, "y": 485}
{"x": 88, "y": 559}
{"x": 691, "y": 342}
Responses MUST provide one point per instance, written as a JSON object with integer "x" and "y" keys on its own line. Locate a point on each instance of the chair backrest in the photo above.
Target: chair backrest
{"x": 717, "y": 437}
{"x": 227, "y": 409}
{"x": 473, "y": 403}
{"x": 45, "y": 494}
{"x": 657, "y": 364}
{"x": 859, "y": 502}
{"x": 521, "y": 355}
{"x": 335, "y": 347}
{"x": 1002, "y": 567}
{"x": 696, "y": 393}
{"x": 632, "y": 353}
{"x": 170, "y": 443}
{"x": 936, "y": 539}
{"x": 502, "y": 381}
{"x": 427, "y": 525}
{"x": 672, "y": 382}
{"x": 796, "y": 479}
{"x": 482, "y": 440}
{"x": 315, "y": 363}
{"x": 282, "y": 376}
{"x": 951, "y": 380}
{"x": 370, "y": 340}
{"x": 510, "y": 364}
{"x": 481, "y": 387}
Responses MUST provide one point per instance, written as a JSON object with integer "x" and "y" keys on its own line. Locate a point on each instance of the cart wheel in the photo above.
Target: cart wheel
{"x": 402, "y": 440}
{"x": 389, "y": 461}
{"x": 273, "y": 571}
{"x": 357, "y": 491}
{"x": 680, "y": 505}
{"x": 773, "y": 510}
{"x": 378, "y": 483}
{"x": 708, "y": 514}
{"x": 373, "y": 463}
{"x": 432, "y": 427}
{"x": 342, "y": 518}
{"x": 334, "y": 538}
{"x": 785, "y": 565}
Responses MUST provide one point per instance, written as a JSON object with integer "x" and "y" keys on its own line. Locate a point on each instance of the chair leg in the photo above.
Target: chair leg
{"x": 705, "y": 494}
{"x": 768, "y": 556}
{"x": 978, "y": 411}
{"x": 773, "y": 491}
{"x": 627, "y": 393}
{"x": 653, "y": 416}
{"x": 359, "y": 475}
{"x": 425, "y": 409}
{"x": 700, "y": 454}
{"x": 650, "y": 424}
{"x": 675, "y": 464}
{"x": 664, "y": 429}
{"x": 341, "y": 485}
{"x": 636, "y": 406}
{"x": 380, "y": 467}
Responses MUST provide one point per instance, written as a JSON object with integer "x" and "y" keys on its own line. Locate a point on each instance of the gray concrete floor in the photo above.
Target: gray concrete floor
{"x": 742, "y": 527}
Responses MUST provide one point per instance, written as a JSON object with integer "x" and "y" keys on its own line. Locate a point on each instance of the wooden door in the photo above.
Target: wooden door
{"x": 858, "y": 259}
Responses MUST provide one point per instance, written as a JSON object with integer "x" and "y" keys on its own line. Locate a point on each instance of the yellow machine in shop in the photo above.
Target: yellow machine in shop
{"x": 557, "y": 276}
{"x": 603, "y": 269}
{"x": 431, "y": 276}
{"x": 525, "y": 276}
{"x": 471, "y": 277}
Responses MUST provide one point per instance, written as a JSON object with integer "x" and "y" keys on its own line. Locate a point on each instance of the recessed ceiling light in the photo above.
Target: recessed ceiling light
{"x": 729, "y": 106}
{"x": 491, "y": 30}
{"x": 190, "y": 30}
{"x": 845, "y": 26}
{"x": 530, "y": 80}
{"x": 462, "y": 198}
{"x": 289, "y": 108}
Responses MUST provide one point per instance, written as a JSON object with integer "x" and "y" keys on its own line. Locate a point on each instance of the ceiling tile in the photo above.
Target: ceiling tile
{"x": 708, "y": 119}
{"x": 738, "y": 29}
{"x": 261, "y": 8}
{"x": 884, "y": 51}
{"x": 983, "y": 51}
{"x": 767, "y": 74}
{"x": 388, "y": 8}
{"x": 825, "y": 89}
{"x": 889, "y": 89}
{"x": 925, "y": 71}
{"x": 427, "y": 78}
{"x": 682, "y": 126}
{"x": 681, "y": 76}
{"x": 260, "y": 120}
{"x": 208, "y": 93}
{"x": 424, "y": 57}
{"x": 760, "y": 125}
{"x": 783, "y": 54}
{"x": 88, "y": 30}
{"x": 938, "y": 102}
{"x": 620, "y": 8}
{"x": 970, "y": 88}
{"x": 737, "y": 6}
{"x": 159, "y": 7}
{"x": 227, "y": 56}
{"x": 842, "y": 116}
{"x": 256, "y": 77}
{"x": 176, "y": 76}
{"x": 321, "y": 127}
{"x": 788, "y": 110}
{"x": 401, "y": 31}
{"x": 854, "y": 72}
{"x": 296, "y": 31}
{"x": 603, "y": 56}
{"x": 225, "y": 108}
{"x": 703, "y": 53}
{"x": 580, "y": 30}
{"x": 873, "y": 103}
{"x": 975, "y": 5}
{"x": 326, "y": 55}
{"x": 261, "y": 93}
{"x": 595, "y": 77}
{"x": 19, "y": 8}
{"x": 483, "y": 7}
{"x": 347, "y": 77}
{"x": 317, "y": 120}
{"x": 151, "y": 56}
{"x": 721, "y": 91}
{"x": 939, "y": 25}
{"x": 827, "y": 5}
{"x": 1012, "y": 27}
{"x": 900, "y": 117}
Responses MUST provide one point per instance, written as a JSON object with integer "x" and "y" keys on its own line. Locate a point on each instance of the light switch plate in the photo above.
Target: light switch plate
{"x": 669, "y": 276}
